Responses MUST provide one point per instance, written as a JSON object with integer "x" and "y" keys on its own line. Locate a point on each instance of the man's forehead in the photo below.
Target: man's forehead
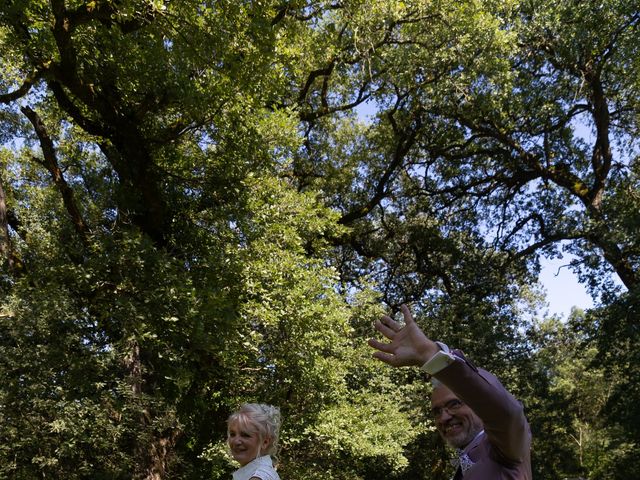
{"x": 442, "y": 395}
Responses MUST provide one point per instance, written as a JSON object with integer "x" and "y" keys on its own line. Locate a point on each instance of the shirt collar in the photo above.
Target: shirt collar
{"x": 246, "y": 472}
{"x": 470, "y": 444}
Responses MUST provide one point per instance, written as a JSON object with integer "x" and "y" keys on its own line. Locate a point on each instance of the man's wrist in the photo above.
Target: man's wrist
{"x": 427, "y": 352}
{"x": 441, "y": 359}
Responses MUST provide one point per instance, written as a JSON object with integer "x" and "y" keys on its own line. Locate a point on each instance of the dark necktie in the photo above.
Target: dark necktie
{"x": 458, "y": 475}
{"x": 463, "y": 463}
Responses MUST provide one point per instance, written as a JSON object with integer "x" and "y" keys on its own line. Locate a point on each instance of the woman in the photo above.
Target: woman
{"x": 252, "y": 436}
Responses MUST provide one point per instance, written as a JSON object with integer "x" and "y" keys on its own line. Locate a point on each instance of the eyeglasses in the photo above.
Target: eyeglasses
{"x": 451, "y": 407}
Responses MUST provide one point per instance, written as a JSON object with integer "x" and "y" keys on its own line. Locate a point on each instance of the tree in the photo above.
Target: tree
{"x": 502, "y": 132}
{"x": 616, "y": 337}
{"x": 194, "y": 211}
{"x": 169, "y": 269}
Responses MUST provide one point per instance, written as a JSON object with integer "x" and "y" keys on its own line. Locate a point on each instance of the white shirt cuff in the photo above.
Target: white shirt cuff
{"x": 442, "y": 359}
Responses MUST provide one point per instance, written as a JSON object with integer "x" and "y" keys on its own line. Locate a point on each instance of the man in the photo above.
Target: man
{"x": 472, "y": 410}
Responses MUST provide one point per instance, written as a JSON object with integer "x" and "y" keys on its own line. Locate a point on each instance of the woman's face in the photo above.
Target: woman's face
{"x": 244, "y": 442}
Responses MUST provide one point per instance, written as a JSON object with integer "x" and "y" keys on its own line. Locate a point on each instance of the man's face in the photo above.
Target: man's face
{"x": 455, "y": 421}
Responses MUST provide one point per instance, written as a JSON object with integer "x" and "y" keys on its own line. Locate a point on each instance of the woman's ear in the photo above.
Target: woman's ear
{"x": 266, "y": 441}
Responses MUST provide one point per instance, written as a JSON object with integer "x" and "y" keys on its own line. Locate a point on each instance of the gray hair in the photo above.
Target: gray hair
{"x": 435, "y": 383}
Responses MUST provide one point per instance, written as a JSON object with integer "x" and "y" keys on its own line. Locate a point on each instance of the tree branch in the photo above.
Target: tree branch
{"x": 51, "y": 164}
{"x": 23, "y": 89}
{"x": 601, "y": 157}
{"x": 403, "y": 146}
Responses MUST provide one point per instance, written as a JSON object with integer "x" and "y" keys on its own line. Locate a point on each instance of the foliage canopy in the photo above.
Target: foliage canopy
{"x": 203, "y": 203}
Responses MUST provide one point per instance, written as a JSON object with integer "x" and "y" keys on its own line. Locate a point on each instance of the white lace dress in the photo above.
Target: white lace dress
{"x": 261, "y": 467}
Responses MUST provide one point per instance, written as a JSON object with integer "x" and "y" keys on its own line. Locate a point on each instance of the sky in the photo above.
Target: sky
{"x": 562, "y": 288}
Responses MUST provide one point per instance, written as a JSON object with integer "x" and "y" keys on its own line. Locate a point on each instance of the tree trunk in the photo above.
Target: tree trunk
{"x": 5, "y": 245}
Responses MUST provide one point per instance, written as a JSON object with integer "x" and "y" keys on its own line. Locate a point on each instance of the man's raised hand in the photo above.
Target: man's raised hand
{"x": 408, "y": 344}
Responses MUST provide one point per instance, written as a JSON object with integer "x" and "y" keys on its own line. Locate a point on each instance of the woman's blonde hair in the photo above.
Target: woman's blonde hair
{"x": 262, "y": 418}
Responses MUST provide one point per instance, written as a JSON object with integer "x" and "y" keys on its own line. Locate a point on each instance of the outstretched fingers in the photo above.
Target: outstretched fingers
{"x": 382, "y": 347}
{"x": 387, "y": 326}
{"x": 386, "y": 358}
{"x": 384, "y": 351}
{"x": 406, "y": 313}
